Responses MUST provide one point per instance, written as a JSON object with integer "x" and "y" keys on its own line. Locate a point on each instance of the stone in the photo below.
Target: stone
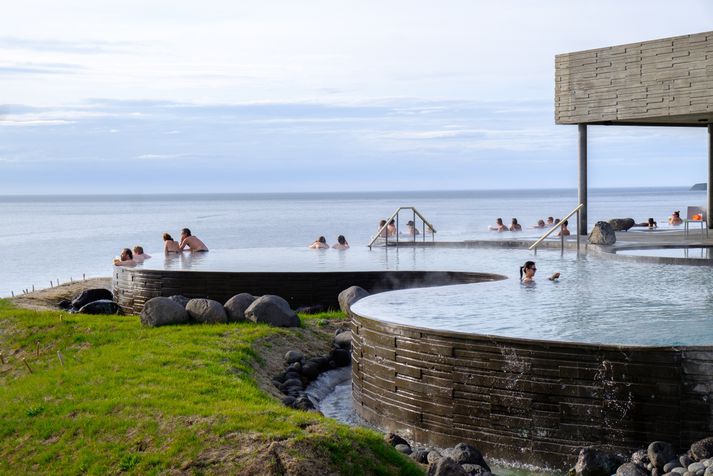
{"x": 595, "y": 462}
{"x": 640, "y": 457}
{"x": 602, "y": 234}
{"x": 349, "y": 296}
{"x": 272, "y": 310}
{"x": 322, "y": 363}
{"x": 674, "y": 463}
{"x": 236, "y": 306}
{"x": 393, "y": 439}
{"x": 163, "y": 311}
{"x": 688, "y": 473}
{"x": 679, "y": 470}
{"x": 289, "y": 401}
{"x": 405, "y": 449}
{"x": 206, "y": 311}
{"x": 685, "y": 460}
{"x": 708, "y": 471}
{"x": 180, "y": 299}
{"x": 696, "y": 467}
{"x": 304, "y": 403}
{"x": 702, "y": 449}
{"x": 631, "y": 469}
{"x": 310, "y": 370}
{"x": 313, "y": 309}
{"x": 65, "y": 304}
{"x": 660, "y": 453}
{"x": 340, "y": 357}
{"x": 433, "y": 457}
{"x": 91, "y": 295}
{"x": 707, "y": 462}
{"x": 293, "y": 356}
{"x": 420, "y": 456}
{"x": 102, "y": 306}
{"x": 474, "y": 470}
{"x": 463, "y": 453}
{"x": 446, "y": 467}
{"x": 344, "y": 340}
{"x": 621, "y": 224}
{"x": 655, "y": 472}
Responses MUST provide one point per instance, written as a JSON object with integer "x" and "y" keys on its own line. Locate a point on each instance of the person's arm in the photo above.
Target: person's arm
{"x": 182, "y": 245}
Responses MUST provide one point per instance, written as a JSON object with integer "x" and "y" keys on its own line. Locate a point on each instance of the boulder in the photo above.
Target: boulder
{"x": 433, "y": 456}
{"x": 621, "y": 224}
{"x": 293, "y": 356}
{"x": 102, "y": 306}
{"x": 236, "y": 306}
{"x": 702, "y": 449}
{"x": 674, "y": 463}
{"x": 303, "y": 403}
{"x": 91, "y": 295}
{"x": 595, "y": 462}
{"x": 631, "y": 469}
{"x": 405, "y": 449}
{"x": 310, "y": 370}
{"x": 660, "y": 453}
{"x": 474, "y": 470}
{"x": 466, "y": 454}
{"x": 344, "y": 340}
{"x": 206, "y": 311}
{"x": 602, "y": 234}
{"x": 65, "y": 304}
{"x": 697, "y": 468}
{"x": 272, "y": 310}
{"x": 393, "y": 439}
{"x": 446, "y": 467}
{"x": 349, "y": 296}
{"x": 180, "y": 299}
{"x": 340, "y": 357}
{"x": 163, "y": 311}
{"x": 420, "y": 456}
{"x": 640, "y": 457}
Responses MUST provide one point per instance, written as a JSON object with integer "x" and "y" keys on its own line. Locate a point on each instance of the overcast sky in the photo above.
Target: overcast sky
{"x": 158, "y": 96}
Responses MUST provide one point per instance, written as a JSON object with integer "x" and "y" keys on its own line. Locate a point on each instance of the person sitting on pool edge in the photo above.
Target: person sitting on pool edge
{"x": 170, "y": 245}
{"x": 126, "y": 258}
{"x": 139, "y": 255}
{"x": 675, "y": 218}
{"x": 499, "y": 226}
{"x": 192, "y": 242}
{"x": 515, "y": 226}
{"x": 527, "y": 273}
{"x": 341, "y": 243}
{"x": 319, "y": 244}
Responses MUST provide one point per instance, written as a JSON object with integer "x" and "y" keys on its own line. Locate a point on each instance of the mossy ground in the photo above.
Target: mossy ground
{"x": 103, "y": 394}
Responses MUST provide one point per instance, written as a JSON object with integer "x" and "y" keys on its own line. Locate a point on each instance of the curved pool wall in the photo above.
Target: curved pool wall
{"x": 132, "y": 287}
{"x": 533, "y": 401}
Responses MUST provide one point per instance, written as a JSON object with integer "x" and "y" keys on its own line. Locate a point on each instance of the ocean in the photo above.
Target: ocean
{"x": 50, "y": 238}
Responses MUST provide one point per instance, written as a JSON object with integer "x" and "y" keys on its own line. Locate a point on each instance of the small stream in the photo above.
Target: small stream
{"x": 331, "y": 394}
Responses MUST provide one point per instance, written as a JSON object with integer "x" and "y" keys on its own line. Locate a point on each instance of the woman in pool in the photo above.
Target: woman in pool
{"x": 515, "y": 226}
{"x": 499, "y": 226}
{"x": 391, "y": 229}
{"x": 341, "y": 243}
{"x": 170, "y": 245}
{"x": 126, "y": 258}
{"x": 139, "y": 255}
{"x": 411, "y": 229}
{"x": 319, "y": 244}
{"x": 540, "y": 224}
{"x": 382, "y": 226}
{"x": 675, "y": 218}
{"x": 528, "y": 270}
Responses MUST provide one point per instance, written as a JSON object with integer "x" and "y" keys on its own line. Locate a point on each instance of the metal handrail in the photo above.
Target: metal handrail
{"x": 559, "y": 225}
{"x": 395, "y": 216}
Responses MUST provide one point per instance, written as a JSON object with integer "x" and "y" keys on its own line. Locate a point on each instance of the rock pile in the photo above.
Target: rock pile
{"x": 272, "y": 310}
{"x": 300, "y": 371}
{"x": 659, "y": 459}
{"x": 461, "y": 460}
{"x": 91, "y": 301}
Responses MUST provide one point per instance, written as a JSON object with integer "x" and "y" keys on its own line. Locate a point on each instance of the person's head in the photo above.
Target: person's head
{"x": 382, "y": 223}
{"x": 540, "y": 222}
{"x": 410, "y": 223}
{"x": 528, "y": 270}
{"x": 677, "y": 214}
{"x": 185, "y": 232}
{"x": 499, "y": 221}
{"x": 564, "y": 225}
{"x": 392, "y": 222}
{"x": 167, "y": 237}
{"x": 322, "y": 239}
{"x": 514, "y": 221}
{"x": 652, "y": 222}
{"x": 341, "y": 240}
{"x": 550, "y": 219}
{"x": 126, "y": 254}
{"x": 138, "y": 250}
{"x": 557, "y": 220}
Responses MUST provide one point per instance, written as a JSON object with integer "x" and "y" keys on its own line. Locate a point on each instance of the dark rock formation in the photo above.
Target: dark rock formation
{"x": 631, "y": 469}
{"x": 162, "y": 311}
{"x": 446, "y": 467}
{"x": 595, "y": 462}
{"x": 91, "y": 295}
{"x": 405, "y": 449}
{"x": 393, "y": 439}
{"x": 236, "y": 306}
{"x": 343, "y": 340}
{"x": 349, "y": 296}
{"x": 206, "y": 311}
{"x": 602, "y": 234}
{"x": 660, "y": 453}
{"x": 702, "y": 449}
{"x": 621, "y": 224}
{"x": 180, "y": 299}
{"x": 293, "y": 356}
{"x": 102, "y": 306}
{"x": 466, "y": 454}
{"x": 420, "y": 456}
{"x": 272, "y": 310}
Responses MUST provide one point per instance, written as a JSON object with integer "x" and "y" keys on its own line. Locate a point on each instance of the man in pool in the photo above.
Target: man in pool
{"x": 192, "y": 242}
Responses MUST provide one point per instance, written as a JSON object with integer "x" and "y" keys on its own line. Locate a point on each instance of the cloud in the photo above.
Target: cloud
{"x": 40, "y": 69}
{"x": 64, "y": 46}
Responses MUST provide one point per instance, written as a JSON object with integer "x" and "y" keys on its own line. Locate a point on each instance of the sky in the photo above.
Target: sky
{"x": 284, "y": 96}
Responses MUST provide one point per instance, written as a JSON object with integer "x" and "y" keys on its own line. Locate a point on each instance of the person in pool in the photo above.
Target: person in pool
{"x": 515, "y": 226}
{"x": 675, "y": 218}
{"x": 411, "y": 229}
{"x": 391, "y": 229}
{"x": 499, "y": 226}
{"x": 564, "y": 231}
{"x": 170, "y": 245}
{"x": 550, "y": 222}
{"x": 139, "y": 255}
{"x": 192, "y": 242}
{"x": 540, "y": 224}
{"x": 650, "y": 224}
{"x": 384, "y": 232}
{"x": 341, "y": 243}
{"x": 319, "y": 244}
{"x": 528, "y": 270}
{"x": 126, "y": 258}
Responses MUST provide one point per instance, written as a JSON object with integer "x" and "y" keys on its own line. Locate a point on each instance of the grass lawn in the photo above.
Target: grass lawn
{"x": 170, "y": 400}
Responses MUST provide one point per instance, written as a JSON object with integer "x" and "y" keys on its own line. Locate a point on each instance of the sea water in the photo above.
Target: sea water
{"x": 46, "y": 238}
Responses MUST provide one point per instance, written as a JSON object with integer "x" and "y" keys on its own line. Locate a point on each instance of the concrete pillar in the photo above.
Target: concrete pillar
{"x": 583, "y": 178}
{"x": 709, "y": 205}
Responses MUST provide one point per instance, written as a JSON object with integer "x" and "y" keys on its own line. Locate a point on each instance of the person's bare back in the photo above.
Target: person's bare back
{"x": 192, "y": 242}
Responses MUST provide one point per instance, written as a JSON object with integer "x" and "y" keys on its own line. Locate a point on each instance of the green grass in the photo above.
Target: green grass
{"x": 145, "y": 401}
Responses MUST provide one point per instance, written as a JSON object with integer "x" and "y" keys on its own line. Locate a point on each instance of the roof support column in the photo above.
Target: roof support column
{"x": 583, "y": 178}
{"x": 709, "y": 206}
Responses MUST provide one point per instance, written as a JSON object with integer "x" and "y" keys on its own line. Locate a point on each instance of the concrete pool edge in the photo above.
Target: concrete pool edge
{"x": 612, "y": 253}
{"x": 533, "y": 401}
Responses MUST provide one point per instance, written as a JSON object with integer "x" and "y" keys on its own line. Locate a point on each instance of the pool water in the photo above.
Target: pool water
{"x": 699, "y": 252}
